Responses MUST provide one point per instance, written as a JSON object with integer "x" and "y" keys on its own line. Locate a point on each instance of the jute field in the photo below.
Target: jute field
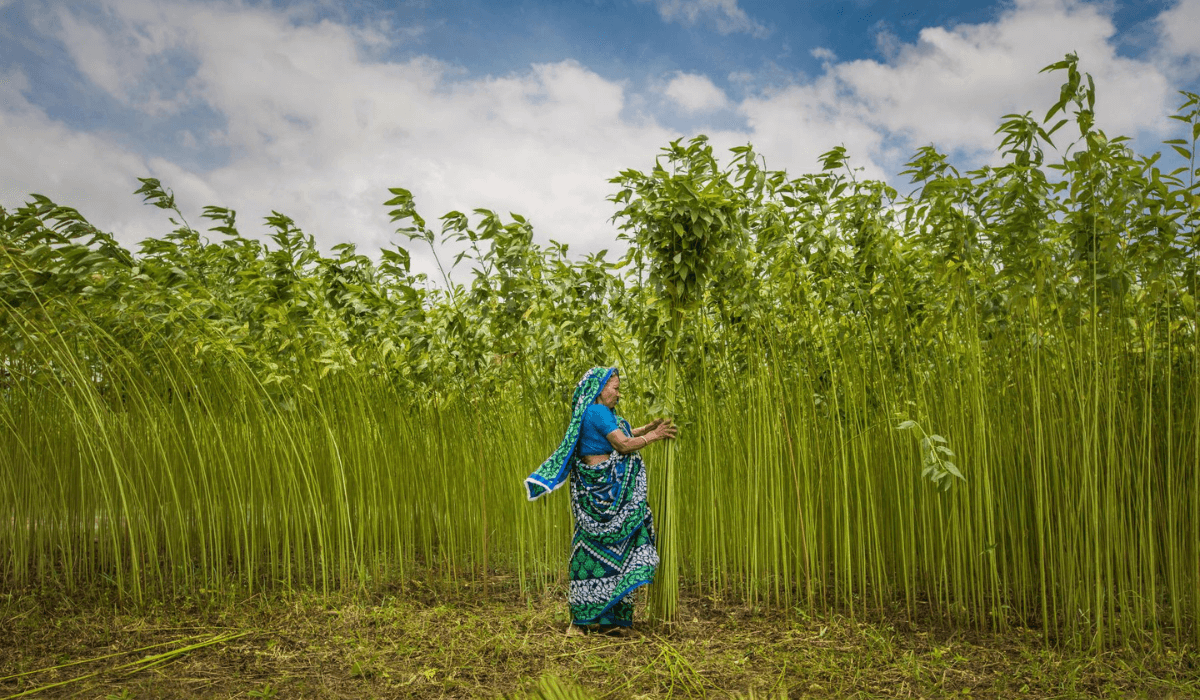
{"x": 936, "y": 438}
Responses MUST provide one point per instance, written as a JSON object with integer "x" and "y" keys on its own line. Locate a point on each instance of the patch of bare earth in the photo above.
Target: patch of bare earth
{"x": 475, "y": 641}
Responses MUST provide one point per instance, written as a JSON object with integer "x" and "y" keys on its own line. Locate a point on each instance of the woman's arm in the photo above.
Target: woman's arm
{"x": 638, "y": 432}
{"x": 625, "y": 444}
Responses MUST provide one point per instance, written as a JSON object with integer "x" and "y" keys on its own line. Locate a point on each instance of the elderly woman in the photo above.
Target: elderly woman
{"x": 612, "y": 552}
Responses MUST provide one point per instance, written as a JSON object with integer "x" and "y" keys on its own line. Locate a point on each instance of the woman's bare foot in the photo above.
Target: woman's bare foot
{"x": 574, "y": 630}
{"x": 618, "y": 631}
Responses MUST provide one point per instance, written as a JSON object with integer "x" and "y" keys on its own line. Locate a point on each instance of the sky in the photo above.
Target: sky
{"x": 315, "y": 108}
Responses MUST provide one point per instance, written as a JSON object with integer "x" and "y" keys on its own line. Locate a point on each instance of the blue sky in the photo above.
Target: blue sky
{"x": 622, "y": 37}
{"x": 315, "y": 108}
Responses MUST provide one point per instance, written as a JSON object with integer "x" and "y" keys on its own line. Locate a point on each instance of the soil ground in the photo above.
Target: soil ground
{"x": 468, "y": 640}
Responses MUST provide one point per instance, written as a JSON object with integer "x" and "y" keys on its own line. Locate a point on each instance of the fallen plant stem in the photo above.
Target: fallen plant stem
{"x": 136, "y": 666}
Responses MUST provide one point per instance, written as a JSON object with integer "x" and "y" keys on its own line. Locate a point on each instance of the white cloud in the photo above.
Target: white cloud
{"x": 695, "y": 93}
{"x": 952, "y": 86}
{"x": 89, "y": 172}
{"x": 794, "y": 125}
{"x": 119, "y": 62}
{"x": 318, "y": 127}
{"x": 318, "y": 132}
{"x": 1178, "y": 26}
{"x": 725, "y": 15}
{"x": 887, "y": 42}
{"x": 12, "y": 84}
{"x": 823, "y": 54}
{"x": 110, "y": 66}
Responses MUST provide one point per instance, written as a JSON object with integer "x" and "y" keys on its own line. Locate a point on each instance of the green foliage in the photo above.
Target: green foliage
{"x": 935, "y": 457}
{"x": 266, "y": 691}
{"x": 221, "y": 409}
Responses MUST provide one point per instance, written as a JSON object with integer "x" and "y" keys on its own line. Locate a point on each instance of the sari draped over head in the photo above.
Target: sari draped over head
{"x": 612, "y": 551}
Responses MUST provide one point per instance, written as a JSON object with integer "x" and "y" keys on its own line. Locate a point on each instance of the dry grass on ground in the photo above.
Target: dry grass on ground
{"x": 466, "y": 641}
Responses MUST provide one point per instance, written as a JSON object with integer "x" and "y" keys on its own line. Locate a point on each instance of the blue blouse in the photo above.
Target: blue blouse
{"x": 598, "y": 421}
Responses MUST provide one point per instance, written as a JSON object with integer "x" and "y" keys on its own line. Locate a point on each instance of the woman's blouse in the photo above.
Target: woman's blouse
{"x": 598, "y": 421}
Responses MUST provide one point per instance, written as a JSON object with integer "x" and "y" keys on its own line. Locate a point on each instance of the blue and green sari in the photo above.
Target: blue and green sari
{"x": 612, "y": 551}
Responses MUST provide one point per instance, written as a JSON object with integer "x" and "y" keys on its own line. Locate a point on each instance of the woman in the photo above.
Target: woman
{"x": 612, "y": 552}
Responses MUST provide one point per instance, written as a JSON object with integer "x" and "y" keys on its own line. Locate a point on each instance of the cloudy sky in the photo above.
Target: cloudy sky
{"x": 315, "y": 108}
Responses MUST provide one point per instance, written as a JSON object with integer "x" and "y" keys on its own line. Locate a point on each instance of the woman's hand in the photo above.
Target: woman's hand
{"x": 663, "y": 429}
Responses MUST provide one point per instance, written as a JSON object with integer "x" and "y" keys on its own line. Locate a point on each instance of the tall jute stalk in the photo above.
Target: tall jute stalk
{"x": 666, "y": 592}
{"x": 242, "y": 417}
{"x": 679, "y": 219}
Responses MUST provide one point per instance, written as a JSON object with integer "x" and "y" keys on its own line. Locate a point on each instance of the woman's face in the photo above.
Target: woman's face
{"x": 611, "y": 393}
